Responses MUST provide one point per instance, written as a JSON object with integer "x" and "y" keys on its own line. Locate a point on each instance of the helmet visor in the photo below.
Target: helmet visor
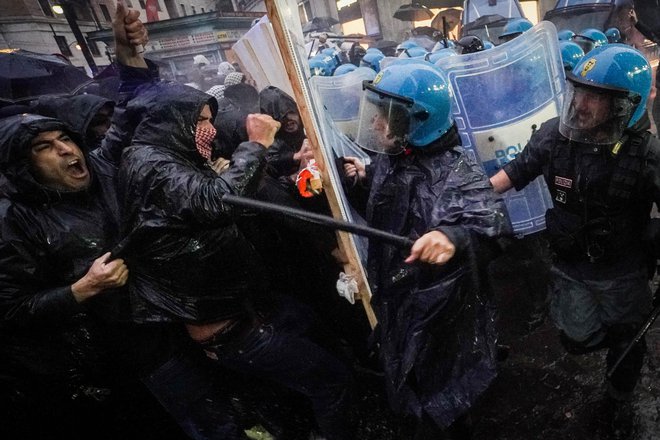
{"x": 585, "y": 43}
{"x": 594, "y": 116}
{"x": 384, "y": 122}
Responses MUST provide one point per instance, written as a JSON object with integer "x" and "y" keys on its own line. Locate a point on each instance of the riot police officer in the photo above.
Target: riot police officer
{"x": 435, "y": 325}
{"x": 602, "y": 168}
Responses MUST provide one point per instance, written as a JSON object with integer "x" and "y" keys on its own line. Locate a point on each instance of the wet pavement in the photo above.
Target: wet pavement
{"x": 541, "y": 392}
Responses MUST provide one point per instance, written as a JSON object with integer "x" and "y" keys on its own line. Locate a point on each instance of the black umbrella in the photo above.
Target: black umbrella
{"x": 441, "y": 3}
{"x": 27, "y": 74}
{"x": 317, "y": 24}
{"x": 413, "y": 12}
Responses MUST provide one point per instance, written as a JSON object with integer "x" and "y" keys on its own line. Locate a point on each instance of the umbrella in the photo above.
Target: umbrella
{"x": 319, "y": 24}
{"x": 384, "y": 44}
{"x": 452, "y": 16}
{"x": 441, "y": 3}
{"x": 413, "y": 12}
{"x": 28, "y": 74}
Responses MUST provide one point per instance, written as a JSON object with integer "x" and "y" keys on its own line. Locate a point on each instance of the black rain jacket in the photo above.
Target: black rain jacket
{"x": 276, "y": 103}
{"x": 189, "y": 260}
{"x": 435, "y": 323}
{"x": 48, "y": 240}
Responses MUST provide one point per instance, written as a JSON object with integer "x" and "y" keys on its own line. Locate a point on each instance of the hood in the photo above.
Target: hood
{"x": 168, "y": 113}
{"x": 276, "y": 103}
{"x": 76, "y": 111}
{"x": 243, "y": 96}
{"x": 16, "y": 133}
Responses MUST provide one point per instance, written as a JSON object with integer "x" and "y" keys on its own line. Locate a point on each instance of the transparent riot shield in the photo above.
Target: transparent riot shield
{"x": 501, "y": 96}
{"x": 323, "y": 136}
{"x": 341, "y": 96}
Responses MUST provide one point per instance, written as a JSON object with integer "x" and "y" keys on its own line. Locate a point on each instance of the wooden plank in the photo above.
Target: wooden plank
{"x": 296, "y": 70}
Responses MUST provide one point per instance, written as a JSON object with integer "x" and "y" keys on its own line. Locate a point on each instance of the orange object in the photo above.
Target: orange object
{"x": 309, "y": 181}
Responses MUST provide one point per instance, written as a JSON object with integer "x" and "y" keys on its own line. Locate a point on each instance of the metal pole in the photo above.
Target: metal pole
{"x": 638, "y": 337}
{"x": 322, "y": 220}
{"x": 69, "y": 14}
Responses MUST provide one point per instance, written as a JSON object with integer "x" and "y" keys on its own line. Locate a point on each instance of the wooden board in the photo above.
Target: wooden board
{"x": 283, "y": 15}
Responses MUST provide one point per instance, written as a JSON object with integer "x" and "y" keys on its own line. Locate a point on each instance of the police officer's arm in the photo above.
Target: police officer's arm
{"x": 501, "y": 182}
{"x": 433, "y": 247}
{"x": 530, "y": 162}
{"x": 466, "y": 210}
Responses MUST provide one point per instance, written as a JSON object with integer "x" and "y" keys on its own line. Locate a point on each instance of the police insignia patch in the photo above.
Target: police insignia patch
{"x": 561, "y": 196}
{"x": 588, "y": 66}
{"x": 563, "y": 182}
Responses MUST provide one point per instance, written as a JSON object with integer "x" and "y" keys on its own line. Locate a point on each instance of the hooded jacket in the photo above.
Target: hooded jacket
{"x": 189, "y": 260}
{"x": 435, "y": 323}
{"x": 48, "y": 240}
{"x": 276, "y": 103}
{"x": 76, "y": 111}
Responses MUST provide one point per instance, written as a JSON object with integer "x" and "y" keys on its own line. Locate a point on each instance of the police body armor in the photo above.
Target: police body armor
{"x": 593, "y": 218}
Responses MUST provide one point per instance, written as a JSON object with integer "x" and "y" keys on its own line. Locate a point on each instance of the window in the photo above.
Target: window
{"x": 105, "y": 12}
{"x": 142, "y": 5}
{"x": 203, "y": 10}
{"x": 93, "y": 48}
{"x": 63, "y": 45}
{"x": 183, "y": 9}
{"x": 45, "y": 7}
{"x": 193, "y": 10}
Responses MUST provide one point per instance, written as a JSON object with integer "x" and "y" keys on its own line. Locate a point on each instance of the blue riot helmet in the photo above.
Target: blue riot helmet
{"x": 613, "y": 35}
{"x": 515, "y": 28}
{"x": 321, "y": 65}
{"x": 444, "y": 44}
{"x": 488, "y": 45}
{"x": 565, "y": 35}
{"x": 589, "y": 39}
{"x": 408, "y": 104}
{"x": 344, "y": 69}
{"x": 571, "y": 54}
{"x": 334, "y": 53}
{"x": 440, "y": 54}
{"x": 413, "y": 52}
{"x": 605, "y": 93}
{"x": 469, "y": 44}
{"x": 406, "y": 45}
{"x": 372, "y": 59}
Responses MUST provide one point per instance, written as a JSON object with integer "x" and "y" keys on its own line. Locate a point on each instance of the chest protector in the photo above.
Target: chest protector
{"x": 595, "y": 213}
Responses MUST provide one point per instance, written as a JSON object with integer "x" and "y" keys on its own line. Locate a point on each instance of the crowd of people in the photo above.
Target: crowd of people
{"x": 136, "y": 302}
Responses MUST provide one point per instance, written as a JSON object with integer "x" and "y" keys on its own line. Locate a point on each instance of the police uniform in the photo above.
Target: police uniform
{"x": 602, "y": 197}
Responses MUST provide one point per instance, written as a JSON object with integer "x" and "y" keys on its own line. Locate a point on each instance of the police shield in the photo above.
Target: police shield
{"x": 501, "y": 96}
{"x": 341, "y": 96}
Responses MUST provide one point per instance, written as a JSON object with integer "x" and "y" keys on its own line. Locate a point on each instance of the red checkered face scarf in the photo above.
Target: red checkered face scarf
{"x": 203, "y": 138}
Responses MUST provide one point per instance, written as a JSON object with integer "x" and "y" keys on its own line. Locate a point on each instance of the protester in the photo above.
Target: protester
{"x": 288, "y": 150}
{"x": 601, "y": 166}
{"x": 190, "y": 262}
{"x": 87, "y": 114}
{"x": 435, "y": 323}
{"x": 65, "y": 347}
